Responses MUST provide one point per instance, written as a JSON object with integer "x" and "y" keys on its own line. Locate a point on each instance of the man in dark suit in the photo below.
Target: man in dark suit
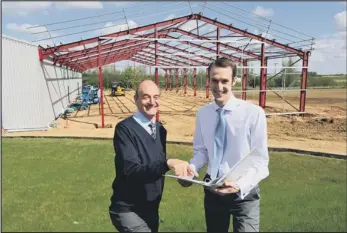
{"x": 140, "y": 161}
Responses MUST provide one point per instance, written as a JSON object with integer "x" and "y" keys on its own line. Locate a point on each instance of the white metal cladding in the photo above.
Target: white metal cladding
{"x": 33, "y": 93}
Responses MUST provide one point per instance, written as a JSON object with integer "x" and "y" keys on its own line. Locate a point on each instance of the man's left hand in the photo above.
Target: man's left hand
{"x": 227, "y": 188}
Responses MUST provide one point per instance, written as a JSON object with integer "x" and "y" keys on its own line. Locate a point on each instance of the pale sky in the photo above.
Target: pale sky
{"x": 326, "y": 21}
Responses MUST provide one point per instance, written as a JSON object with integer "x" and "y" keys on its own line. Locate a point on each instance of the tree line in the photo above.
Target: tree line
{"x": 132, "y": 76}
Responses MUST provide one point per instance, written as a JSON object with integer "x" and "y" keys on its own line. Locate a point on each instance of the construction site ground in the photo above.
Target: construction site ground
{"x": 323, "y": 129}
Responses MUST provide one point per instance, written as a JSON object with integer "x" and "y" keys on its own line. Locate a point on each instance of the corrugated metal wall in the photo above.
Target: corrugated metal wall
{"x": 33, "y": 93}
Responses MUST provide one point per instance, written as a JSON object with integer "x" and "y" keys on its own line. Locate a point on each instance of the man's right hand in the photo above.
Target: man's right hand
{"x": 181, "y": 168}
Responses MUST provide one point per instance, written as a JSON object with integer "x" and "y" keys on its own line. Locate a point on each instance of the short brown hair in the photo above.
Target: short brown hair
{"x": 223, "y": 62}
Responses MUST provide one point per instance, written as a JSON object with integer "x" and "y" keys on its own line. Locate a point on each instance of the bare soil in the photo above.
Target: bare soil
{"x": 323, "y": 129}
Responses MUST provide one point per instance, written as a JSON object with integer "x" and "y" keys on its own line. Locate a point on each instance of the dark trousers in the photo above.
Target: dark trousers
{"x": 146, "y": 220}
{"x": 219, "y": 209}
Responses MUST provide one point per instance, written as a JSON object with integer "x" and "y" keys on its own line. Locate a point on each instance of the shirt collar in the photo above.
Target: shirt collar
{"x": 229, "y": 106}
{"x": 142, "y": 118}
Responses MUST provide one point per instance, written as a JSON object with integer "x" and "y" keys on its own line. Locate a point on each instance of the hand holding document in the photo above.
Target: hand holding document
{"x": 192, "y": 181}
{"x": 239, "y": 173}
{"x": 227, "y": 188}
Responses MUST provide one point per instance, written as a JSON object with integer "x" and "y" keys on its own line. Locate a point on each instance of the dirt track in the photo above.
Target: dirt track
{"x": 323, "y": 130}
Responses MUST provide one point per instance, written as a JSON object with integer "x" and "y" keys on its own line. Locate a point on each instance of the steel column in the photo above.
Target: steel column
{"x": 194, "y": 82}
{"x": 101, "y": 87}
{"x": 218, "y": 44}
{"x": 207, "y": 84}
{"x": 156, "y": 62}
{"x": 244, "y": 80}
{"x": 170, "y": 79}
{"x": 185, "y": 80}
{"x": 177, "y": 81}
{"x": 304, "y": 81}
{"x": 41, "y": 57}
{"x": 166, "y": 80}
{"x": 263, "y": 69}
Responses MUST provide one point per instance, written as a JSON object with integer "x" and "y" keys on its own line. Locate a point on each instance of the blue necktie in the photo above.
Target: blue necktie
{"x": 218, "y": 147}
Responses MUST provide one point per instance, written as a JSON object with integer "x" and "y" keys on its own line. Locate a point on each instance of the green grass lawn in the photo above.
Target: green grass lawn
{"x": 65, "y": 185}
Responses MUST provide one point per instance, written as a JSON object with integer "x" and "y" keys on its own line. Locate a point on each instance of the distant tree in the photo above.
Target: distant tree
{"x": 312, "y": 74}
{"x": 253, "y": 79}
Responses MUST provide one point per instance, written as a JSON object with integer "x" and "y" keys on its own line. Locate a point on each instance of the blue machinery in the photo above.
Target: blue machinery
{"x": 90, "y": 95}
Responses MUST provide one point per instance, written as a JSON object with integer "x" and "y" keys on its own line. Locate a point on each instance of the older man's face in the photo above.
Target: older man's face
{"x": 221, "y": 84}
{"x": 148, "y": 99}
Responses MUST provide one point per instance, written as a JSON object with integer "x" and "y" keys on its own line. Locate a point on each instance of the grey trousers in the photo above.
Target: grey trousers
{"x": 219, "y": 209}
{"x": 135, "y": 221}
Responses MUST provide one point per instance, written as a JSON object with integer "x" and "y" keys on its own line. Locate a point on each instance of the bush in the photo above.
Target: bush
{"x": 319, "y": 81}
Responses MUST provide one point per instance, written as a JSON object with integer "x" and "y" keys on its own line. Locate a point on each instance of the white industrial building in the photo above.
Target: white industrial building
{"x": 34, "y": 93}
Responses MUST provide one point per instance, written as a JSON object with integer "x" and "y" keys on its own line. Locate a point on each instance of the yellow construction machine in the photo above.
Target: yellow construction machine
{"x": 118, "y": 89}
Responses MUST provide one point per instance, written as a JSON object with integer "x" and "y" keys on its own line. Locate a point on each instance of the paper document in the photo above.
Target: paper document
{"x": 246, "y": 167}
{"x": 210, "y": 184}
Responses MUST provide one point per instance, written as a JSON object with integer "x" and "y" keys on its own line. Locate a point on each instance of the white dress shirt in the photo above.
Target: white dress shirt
{"x": 143, "y": 121}
{"x": 246, "y": 130}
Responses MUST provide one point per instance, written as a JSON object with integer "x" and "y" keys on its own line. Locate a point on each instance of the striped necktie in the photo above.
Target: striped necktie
{"x": 153, "y": 129}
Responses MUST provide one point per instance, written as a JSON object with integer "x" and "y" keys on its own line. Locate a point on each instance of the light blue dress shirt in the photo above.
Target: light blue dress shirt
{"x": 143, "y": 121}
{"x": 246, "y": 129}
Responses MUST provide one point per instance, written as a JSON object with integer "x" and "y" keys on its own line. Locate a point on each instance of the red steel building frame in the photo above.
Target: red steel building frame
{"x": 106, "y": 52}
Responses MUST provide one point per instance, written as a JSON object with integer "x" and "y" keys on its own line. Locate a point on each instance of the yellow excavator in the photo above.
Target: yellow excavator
{"x": 118, "y": 89}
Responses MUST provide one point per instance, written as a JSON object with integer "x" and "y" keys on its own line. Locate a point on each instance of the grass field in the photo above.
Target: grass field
{"x": 65, "y": 185}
